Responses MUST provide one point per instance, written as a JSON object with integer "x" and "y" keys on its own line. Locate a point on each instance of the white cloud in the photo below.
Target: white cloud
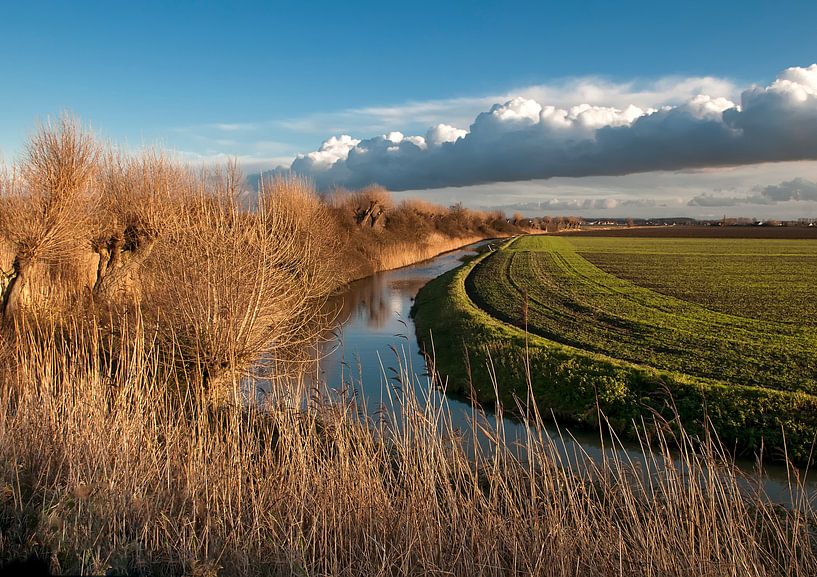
{"x": 295, "y": 135}
{"x": 668, "y": 91}
{"x": 248, "y": 163}
{"x": 791, "y": 191}
{"x": 594, "y": 91}
{"x": 442, "y": 133}
{"x": 330, "y": 152}
{"x": 524, "y": 139}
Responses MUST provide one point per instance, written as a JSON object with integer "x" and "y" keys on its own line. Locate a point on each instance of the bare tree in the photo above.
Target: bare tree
{"x": 370, "y": 205}
{"x": 47, "y": 201}
{"x": 227, "y": 285}
{"x": 138, "y": 196}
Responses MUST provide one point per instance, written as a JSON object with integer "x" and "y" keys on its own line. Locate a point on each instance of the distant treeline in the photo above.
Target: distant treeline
{"x": 378, "y": 233}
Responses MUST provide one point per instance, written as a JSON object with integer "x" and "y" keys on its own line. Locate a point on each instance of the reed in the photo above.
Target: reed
{"x": 132, "y": 440}
{"x": 100, "y": 471}
{"x": 400, "y": 254}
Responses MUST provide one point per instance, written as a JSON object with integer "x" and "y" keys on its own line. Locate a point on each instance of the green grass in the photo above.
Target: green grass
{"x": 595, "y": 338}
{"x": 767, "y": 279}
{"x": 572, "y": 301}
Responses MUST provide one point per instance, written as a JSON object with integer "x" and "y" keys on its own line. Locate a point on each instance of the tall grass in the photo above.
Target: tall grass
{"x": 400, "y": 254}
{"x": 128, "y": 445}
{"x": 101, "y": 471}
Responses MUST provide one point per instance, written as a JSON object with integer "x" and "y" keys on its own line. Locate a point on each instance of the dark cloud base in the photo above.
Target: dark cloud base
{"x": 521, "y": 140}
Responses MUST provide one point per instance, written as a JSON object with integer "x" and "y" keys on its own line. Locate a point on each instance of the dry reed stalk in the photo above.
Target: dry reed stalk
{"x": 110, "y": 474}
{"x": 113, "y": 456}
{"x": 397, "y": 255}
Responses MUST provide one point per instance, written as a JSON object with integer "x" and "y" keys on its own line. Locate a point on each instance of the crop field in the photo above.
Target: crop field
{"x": 536, "y": 320}
{"x": 729, "y": 310}
{"x": 697, "y": 231}
{"x": 766, "y": 279}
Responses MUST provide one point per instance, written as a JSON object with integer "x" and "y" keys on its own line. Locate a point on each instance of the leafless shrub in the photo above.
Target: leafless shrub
{"x": 367, "y": 207}
{"x": 46, "y": 205}
{"x": 227, "y": 285}
{"x": 139, "y": 197}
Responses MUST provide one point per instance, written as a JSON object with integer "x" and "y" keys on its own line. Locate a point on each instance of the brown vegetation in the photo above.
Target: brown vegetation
{"x": 104, "y": 475}
{"x": 381, "y": 234}
{"x": 136, "y": 293}
{"x": 95, "y": 235}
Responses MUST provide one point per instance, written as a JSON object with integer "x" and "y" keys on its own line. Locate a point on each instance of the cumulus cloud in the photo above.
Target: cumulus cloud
{"x": 523, "y": 139}
{"x": 331, "y": 151}
{"x": 442, "y": 133}
{"x": 670, "y": 90}
{"x": 798, "y": 190}
{"x": 795, "y": 189}
{"x": 578, "y": 204}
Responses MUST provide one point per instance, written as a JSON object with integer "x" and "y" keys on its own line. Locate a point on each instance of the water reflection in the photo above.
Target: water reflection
{"x": 363, "y": 302}
{"x": 374, "y": 348}
{"x": 375, "y": 329}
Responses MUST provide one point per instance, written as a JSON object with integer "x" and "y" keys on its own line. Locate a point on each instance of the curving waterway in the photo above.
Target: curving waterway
{"x": 374, "y": 342}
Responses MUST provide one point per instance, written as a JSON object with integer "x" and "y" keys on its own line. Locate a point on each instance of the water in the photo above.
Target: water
{"x": 375, "y": 337}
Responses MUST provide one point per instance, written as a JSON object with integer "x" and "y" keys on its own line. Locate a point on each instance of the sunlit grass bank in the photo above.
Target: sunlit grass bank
{"x": 138, "y": 296}
{"x": 474, "y": 349}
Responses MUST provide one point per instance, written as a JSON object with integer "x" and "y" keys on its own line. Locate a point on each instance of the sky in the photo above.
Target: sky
{"x": 592, "y": 108}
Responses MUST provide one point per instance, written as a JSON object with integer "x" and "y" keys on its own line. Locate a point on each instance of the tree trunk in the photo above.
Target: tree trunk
{"x": 376, "y": 217}
{"x": 363, "y": 215}
{"x": 119, "y": 266}
{"x": 13, "y": 294}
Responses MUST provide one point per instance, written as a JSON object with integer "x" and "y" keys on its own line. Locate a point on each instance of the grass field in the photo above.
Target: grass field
{"x": 572, "y": 301}
{"x": 769, "y": 279}
{"x": 590, "y": 336}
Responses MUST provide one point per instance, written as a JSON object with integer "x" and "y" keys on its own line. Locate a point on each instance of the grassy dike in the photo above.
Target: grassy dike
{"x": 472, "y": 350}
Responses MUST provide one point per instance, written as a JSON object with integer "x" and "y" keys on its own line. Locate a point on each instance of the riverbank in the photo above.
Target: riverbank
{"x": 401, "y": 254}
{"x": 485, "y": 357}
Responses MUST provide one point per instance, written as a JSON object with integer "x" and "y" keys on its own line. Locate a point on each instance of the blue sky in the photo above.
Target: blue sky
{"x": 265, "y": 81}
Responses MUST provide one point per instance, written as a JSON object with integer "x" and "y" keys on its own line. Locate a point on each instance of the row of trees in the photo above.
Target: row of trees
{"x": 91, "y": 234}
{"x": 373, "y": 224}
{"x": 547, "y": 223}
{"x": 222, "y": 274}
{"x": 373, "y": 207}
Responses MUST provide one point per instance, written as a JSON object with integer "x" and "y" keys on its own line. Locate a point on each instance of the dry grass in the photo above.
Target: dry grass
{"x": 401, "y": 254}
{"x": 127, "y": 444}
{"x": 101, "y": 471}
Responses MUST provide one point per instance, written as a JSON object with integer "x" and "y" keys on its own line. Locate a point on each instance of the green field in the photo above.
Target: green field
{"x": 770, "y": 279}
{"x": 716, "y": 323}
{"x": 573, "y": 301}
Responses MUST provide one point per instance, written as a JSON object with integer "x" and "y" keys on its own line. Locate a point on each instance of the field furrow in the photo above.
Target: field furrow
{"x": 545, "y": 285}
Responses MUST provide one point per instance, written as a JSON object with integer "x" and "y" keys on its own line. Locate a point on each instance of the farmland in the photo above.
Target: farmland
{"x": 769, "y": 279}
{"x": 572, "y": 301}
{"x": 717, "y": 323}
